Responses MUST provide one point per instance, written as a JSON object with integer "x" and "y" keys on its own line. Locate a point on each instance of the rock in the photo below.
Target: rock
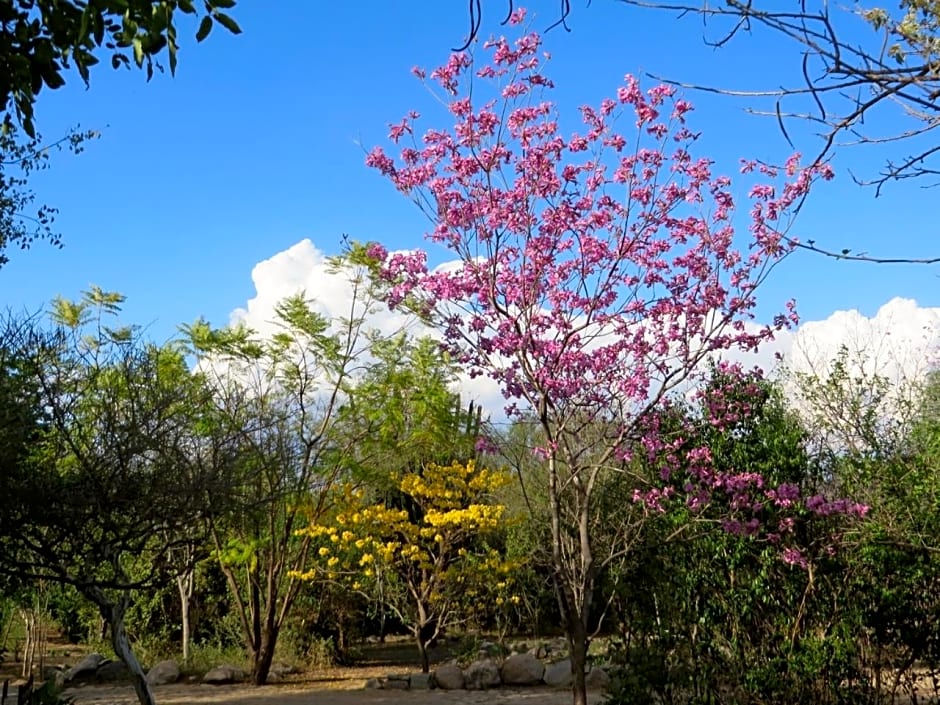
{"x": 279, "y": 671}
{"x": 558, "y": 674}
{"x": 84, "y": 669}
{"x": 449, "y": 677}
{"x": 481, "y": 675}
{"x": 522, "y": 669}
{"x": 374, "y": 684}
{"x": 110, "y": 671}
{"x": 397, "y": 682}
{"x": 597, "y": 678}
{"x": 49, "y": 672}
{"x": 164, "y": 673}
{"x": 221, "y": 675}
{"x": 54, "y": 675}
{"x": 420, "y": 681}
{"x": 282, "y": 669}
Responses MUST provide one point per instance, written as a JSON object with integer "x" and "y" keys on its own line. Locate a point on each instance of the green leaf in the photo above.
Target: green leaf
{"x": 227, "y": 22}
{"x": 204, "y": 28}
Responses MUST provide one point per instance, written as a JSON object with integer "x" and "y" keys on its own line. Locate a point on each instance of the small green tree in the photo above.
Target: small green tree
{"x": 120, "y": 465}
{"x": 281, "y": 395}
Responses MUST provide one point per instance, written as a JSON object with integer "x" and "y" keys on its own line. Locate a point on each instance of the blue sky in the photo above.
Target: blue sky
{"x": 255, "y": 145}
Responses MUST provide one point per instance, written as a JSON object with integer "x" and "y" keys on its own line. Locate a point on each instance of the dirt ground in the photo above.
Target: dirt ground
{"x": 312, "y": 693}
{"x": 330, "y": 686}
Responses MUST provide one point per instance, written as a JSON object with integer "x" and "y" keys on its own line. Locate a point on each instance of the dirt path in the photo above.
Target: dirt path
{"x": 349, "y": 693}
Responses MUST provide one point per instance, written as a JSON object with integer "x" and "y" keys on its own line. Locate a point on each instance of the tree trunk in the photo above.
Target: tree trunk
{"x": 423, "y": 654}
{"x": 29, "y": 648}
{"x": 185, "y": 583}
{"x": 577, "y": 646}
{"x": 263, "y": 656}
{"x": 114, "y": 614}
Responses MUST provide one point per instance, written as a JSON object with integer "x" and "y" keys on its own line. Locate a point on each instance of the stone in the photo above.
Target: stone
{"x": 54, "y": 675}
{"x": 374, "y": 684}
{"x": 558, "y": 674}
{"x": 481, "y": 675}
{"x": 597, "y": 678}
{"x": 420, "y": 681}
{"x": 282, "y": 669}
{"x": 449, "y": 677}
{"x": 111, "y": 671}
{"x": 397, "y": 682}
{"x": 522, "y": 669}
{"x": 221, "y": 675}
{"x": 84, "y": 669}
{"x": 48, "y": 672}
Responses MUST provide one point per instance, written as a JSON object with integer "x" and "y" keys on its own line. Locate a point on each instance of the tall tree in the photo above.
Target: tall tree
{"x": 594, "y": 273}
{"x": 281, "y": 395}
{"x": 120, "y": 467}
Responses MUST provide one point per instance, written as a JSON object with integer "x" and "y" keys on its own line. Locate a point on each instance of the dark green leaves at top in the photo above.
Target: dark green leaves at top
{"x": 204, "y": 28}
{"x": 40, "y": 39}
{"x": 227, "y": 22}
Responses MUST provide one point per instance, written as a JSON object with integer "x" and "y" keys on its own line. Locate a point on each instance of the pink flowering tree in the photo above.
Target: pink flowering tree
{"x": 595, "y": 271}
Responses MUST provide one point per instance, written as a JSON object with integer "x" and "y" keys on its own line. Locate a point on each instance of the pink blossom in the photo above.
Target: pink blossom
{"x": 596, "y": 271}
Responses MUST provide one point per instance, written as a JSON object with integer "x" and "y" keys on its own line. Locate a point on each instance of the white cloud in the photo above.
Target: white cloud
{"x": 899, "y": 342}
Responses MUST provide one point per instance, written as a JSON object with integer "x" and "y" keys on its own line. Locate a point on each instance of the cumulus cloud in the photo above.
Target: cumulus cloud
{"x": 900, "y": 342}
{"x": 305, "y": 268}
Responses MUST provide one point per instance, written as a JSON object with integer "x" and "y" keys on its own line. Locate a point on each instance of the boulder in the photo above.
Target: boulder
{"x": 597, "y": 678}
{"x": 54, "y": 675}
{"x": 558, "y": 674}
{"x": 164, "y": 673}
{"x": 397, "y": 681}
{"x": 481, "y": 675}
{"x": 111, "y": 671}
{"x": 420, "y": 681}
{"x": 84, "y": 669}
{"x": 522, "y": 669}
{"x": 449, "y": 677}
{"x": 221, "y": 675}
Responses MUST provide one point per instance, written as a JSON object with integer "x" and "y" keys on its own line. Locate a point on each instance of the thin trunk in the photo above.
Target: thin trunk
{"x": 185, "y": 583}
{"x": 29, "y": 647}
{"x": 577, "y": 645}
{"x": 423, "y": 652}
{"x": 114, "y": 614}
{"x": 185, "y": 611}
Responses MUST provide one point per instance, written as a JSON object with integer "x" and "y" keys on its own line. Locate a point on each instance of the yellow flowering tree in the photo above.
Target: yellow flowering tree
{"x": 426, "y": 553}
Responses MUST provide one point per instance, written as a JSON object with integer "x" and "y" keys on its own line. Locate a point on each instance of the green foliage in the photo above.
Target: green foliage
{"x": 120, "y": 470}
{"x": 404, "y": 413}
{"x": 709, "y": 616}
{"x": 282, "y": 396}
{"x": 39, "y": 39}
